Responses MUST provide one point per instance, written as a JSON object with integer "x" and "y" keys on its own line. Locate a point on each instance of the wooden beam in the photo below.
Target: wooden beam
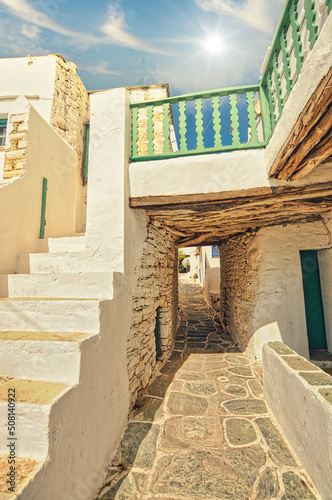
{"x": 318, "y": 155}
{"x": 313, "y": 138}
{"x": 229, "y": 197}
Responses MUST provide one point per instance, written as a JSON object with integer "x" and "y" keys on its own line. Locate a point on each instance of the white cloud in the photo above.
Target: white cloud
{"x": 101, "y": 68}
{"x": 26, "y": 43}
{"x": 116, "y": 30}
{"x": 30, "y": 31}
{"x": 255, "y": 13}
{"x": 23, "y": 10}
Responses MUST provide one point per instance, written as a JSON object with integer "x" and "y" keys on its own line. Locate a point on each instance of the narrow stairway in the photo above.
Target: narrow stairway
{"x": 49, "y": 320}
{"x": 203, "y": 429}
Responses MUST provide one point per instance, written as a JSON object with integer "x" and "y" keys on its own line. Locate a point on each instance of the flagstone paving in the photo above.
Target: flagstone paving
{"x": 203, "y": 430}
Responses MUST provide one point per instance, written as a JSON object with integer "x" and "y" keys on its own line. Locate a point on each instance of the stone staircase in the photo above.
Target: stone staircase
{"x": 49, "y": 321}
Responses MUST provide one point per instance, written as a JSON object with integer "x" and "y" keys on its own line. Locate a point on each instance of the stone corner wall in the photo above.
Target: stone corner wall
{"x": 238, "y": 287}
{"x": 156, "y": 287}
{"x": 71, "y": 107}
{"x": 70, "y": 113}
{"x": 15, "y": 152}
{"x": 150, "y": 93}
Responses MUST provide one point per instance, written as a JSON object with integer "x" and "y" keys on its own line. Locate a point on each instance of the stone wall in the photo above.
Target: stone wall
{"x": 156, "y": 287}
{"x": 15, "y": 153}
{"x": 70, "y": 113}
{"x": 262, "y": 297}
{"x": 150, "y": 93}
{"x": 238, "y": 285}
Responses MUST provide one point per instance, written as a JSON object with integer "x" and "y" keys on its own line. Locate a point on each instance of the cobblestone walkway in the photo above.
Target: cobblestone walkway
{"x": 203, "y": 430}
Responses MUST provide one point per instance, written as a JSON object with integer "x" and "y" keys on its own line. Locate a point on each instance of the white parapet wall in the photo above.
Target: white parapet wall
{"x": 300, "y": 397}
{"x": 48, "y": 156}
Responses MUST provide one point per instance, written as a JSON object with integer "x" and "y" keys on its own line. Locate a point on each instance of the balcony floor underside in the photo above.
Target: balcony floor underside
{"x": 310, "y": 141}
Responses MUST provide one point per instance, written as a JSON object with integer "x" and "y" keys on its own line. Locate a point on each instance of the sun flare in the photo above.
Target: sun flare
{"x": 213, "y": 44}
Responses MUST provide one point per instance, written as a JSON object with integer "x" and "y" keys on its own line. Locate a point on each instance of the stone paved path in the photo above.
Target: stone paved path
{"x": 203, "y": 430}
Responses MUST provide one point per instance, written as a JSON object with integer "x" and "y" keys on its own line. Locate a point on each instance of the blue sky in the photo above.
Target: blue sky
{"x": 127, "y": 42}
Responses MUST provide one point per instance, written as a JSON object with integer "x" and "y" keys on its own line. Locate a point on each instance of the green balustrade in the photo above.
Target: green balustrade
{"x": 207, "y": 106}
{"x": 232, "y": 127}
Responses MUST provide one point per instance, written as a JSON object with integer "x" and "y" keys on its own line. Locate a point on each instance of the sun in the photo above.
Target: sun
{"x": 213, "y": 44}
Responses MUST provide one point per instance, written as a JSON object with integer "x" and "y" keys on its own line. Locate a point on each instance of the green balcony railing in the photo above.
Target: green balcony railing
{"x": 296, "y": 35}
{"x": 220, "y": 120}
{"x": 234, "y": 118}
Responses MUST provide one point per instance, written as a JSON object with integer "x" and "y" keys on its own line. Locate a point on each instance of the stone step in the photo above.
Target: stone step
{"x": 42, "y": 356}
{"x": 25, "y": 470}
{"x": 50, "y": 315}
{"x": 66, "y": 244}
{"x": 33, "y": 402}
{"x": 96, "y": 285}
{"x": 55, "y": 262}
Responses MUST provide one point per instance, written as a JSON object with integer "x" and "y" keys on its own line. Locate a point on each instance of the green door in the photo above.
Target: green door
{"x": 313, "y": 300}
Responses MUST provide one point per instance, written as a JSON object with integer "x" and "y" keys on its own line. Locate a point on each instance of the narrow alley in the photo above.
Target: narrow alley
{"x": 203, "y": 429}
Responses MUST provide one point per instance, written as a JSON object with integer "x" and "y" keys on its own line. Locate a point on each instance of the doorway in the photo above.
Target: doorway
{"x": 314, "y": 310}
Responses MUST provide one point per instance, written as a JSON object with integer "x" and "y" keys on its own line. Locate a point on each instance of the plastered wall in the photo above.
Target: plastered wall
{"x": 261, "y": 285}
{"x": 45, "y": 155}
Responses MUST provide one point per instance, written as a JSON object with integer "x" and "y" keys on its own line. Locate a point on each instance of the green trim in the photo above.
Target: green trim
{"x": 252, "y": 118}
{"x": 43, "y": 210}
{"x": 149, "y": 130}
{"x": 134, "y": 132}
{"x": 192, "y": 97}
{"x": 193, "y": 152}
{"x": 183, "y": 126}
{"x": 3, "y": 122}
{"x": 310, "y": 15}
{"x": 234, "y": 120}
{"x": 266, "y": 118}
{"x": 166, "y": 128}
{"x": 86, "y": 153}
{"x": 216, "y": 121}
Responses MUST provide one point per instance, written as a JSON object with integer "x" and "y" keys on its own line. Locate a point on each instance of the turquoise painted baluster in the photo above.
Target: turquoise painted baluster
{"x": 296, "y": 35}
{"x": 277, "y": 81}
{"x": 134, "y": 132}
{"x": 270, "y": 97}
{"x": 216, "y": 122}
{"x": 252, "y": 118}
{"x": 149, "y": 130}
{"x": 166, "y": 129}
{"x": 199, "y": 124}
{"x": 234, "y": 120}
{"x": 182, "y": 126}
{"x": 286, "y": 61}
{"x": 310, "y": 15}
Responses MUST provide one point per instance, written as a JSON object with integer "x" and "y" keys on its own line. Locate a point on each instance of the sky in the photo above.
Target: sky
{"x": 193, "y": 45}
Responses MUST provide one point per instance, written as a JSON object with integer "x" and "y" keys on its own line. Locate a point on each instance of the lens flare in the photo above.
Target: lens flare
{"x": 213, "y": 44}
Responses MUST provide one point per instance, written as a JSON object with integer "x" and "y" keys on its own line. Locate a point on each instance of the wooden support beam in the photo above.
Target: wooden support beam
{"x": 312, "y": 125}
{"x": 202, "y": 200}
{"x": 318, "y": 155}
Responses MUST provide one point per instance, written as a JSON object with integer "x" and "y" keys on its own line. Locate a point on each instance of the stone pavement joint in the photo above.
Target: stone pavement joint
{"x": 203, "y": 430}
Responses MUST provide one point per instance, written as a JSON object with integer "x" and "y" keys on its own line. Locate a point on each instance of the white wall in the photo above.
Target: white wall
{"x": 32, "y": 77}
{"x": 279, "y": 312}
{"x": 303, "y": 414}
{"x": 49, "y": 156}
